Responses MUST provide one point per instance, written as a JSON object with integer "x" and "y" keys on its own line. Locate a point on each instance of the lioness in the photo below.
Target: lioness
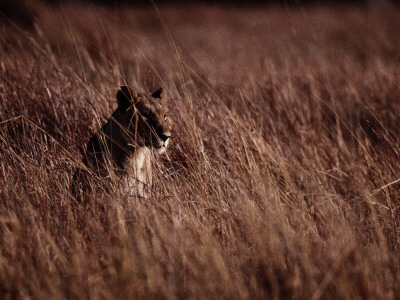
{"x": 121, "y": 149}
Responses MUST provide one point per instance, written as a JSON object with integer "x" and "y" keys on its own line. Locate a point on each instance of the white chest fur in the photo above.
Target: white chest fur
{"x": 138, "y": 173}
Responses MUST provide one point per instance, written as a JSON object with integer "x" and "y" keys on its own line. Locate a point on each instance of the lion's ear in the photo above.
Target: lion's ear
{"x": 158, "y": 94}
{"x": 126, "y": 96}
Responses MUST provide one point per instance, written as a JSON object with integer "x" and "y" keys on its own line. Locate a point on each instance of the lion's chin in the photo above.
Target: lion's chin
{"x": 158, "y": 150}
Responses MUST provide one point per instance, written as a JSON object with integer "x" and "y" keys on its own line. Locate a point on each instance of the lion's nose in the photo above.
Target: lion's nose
{"x": 165, "y": 136}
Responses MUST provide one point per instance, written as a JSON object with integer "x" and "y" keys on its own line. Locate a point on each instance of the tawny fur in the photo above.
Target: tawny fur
{"x": 121, "y": 150}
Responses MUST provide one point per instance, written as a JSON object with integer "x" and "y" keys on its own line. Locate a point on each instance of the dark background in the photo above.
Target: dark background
{"x": 12, "y": 3}
{"x": 238, "y": 2}
{"x": 22, "y": 12}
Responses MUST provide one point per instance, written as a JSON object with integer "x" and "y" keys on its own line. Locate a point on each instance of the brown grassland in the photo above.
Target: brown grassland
{"x": 282, "y": 176}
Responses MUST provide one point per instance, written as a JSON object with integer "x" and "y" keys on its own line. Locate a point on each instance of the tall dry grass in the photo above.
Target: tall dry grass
{"x": 282, "y": 178}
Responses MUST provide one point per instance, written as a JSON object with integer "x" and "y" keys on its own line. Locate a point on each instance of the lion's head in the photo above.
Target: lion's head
{"x": 143, "y": 119}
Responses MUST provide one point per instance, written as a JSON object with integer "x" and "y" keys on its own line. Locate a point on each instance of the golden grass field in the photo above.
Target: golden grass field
{"x": 282, "y": 176}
